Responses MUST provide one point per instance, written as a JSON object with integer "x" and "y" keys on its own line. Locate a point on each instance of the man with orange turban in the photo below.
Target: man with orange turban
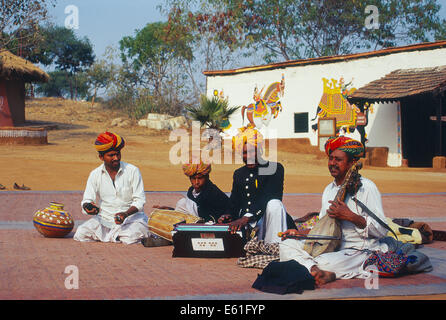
{"x": 360, "y": 231}
{"x": 203, "y": 199}
{"x": 256, "y": 196}
{"x": 118, "y": 190}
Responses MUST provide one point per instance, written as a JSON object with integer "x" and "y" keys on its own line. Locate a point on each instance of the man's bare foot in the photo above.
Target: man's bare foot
{"x": 322, "y": 277}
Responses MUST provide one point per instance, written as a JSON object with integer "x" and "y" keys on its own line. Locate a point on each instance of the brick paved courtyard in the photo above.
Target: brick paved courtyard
{"x": 33, "y": 267}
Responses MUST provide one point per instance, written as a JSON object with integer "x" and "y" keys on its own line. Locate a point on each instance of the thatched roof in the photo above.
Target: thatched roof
{"x": 14, "y": 67}
{"x": 402, "y": 83}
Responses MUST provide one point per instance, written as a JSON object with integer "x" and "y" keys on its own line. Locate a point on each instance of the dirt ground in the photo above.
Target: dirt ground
{"x": 64, "y": 164}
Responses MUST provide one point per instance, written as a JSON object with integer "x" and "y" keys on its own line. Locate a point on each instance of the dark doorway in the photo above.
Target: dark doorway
{"x": 420, "y": 140}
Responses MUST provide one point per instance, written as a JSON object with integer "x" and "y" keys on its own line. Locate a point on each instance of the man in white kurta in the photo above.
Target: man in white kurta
{"x": 119, "y": 197}
{"x": 359, "y": 230}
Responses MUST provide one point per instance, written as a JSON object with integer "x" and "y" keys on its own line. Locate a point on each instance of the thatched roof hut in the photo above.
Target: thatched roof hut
{"x": 14, "y": 67}
{"x": 14, "y": 73}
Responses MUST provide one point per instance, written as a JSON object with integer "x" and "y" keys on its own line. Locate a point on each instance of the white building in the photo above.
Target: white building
{"x": 293, "y": 95}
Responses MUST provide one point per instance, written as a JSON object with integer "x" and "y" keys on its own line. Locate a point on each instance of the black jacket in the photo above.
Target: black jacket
{"x": 211, "y": 202}
{"x": 251, "y": 191}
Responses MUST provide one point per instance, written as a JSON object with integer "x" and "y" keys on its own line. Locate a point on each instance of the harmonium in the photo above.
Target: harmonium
{"x": 198, "y": 240}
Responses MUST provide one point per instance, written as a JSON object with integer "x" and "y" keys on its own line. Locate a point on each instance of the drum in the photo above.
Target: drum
{"x": 53, "y": 222}
{"x": 161, "y": 222}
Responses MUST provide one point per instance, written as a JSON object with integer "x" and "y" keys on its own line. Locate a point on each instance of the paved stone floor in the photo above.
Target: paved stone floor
{"x": 34, "y": 267}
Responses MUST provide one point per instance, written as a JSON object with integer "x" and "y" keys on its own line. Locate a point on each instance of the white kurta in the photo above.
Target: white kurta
{"x": 345, "y": 263}
{"x": 187, "y": 205}
{"x": 113, "y": 197}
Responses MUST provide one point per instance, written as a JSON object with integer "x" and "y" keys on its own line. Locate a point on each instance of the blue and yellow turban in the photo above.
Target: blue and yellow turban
{"x": 108, "y": 141}
{"x": 346, "y": 144}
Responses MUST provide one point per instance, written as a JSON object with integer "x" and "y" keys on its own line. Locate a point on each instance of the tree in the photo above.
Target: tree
{"x": 212, "y": 30}
{"x": 19, "y": 22}
{"x": 294, "y": 29}
{"x": 61, "y": 85}
{"x": 67, "y": 52}
{"x": 212, "y": 112}
{"x": 156, "y": 64}
{"x": 149, "y": 52}
{"x": 99, "y": 76}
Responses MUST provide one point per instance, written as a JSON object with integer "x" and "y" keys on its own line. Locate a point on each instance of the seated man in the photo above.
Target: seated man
{"x": 204, "y": 199}
{"x": 119, "y": 191}
{"x": 256, "y": 196}
{"x": 359, "y": 230}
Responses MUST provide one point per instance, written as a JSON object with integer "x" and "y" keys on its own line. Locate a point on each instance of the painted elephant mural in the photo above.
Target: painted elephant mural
{"x": 265, "y": 108}
{"x": 334, "y": 104}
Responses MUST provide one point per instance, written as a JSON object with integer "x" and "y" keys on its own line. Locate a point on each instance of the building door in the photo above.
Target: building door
{"x": 420, "y": 140}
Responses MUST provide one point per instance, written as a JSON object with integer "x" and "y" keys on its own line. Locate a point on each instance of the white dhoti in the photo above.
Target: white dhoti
{"x": 272, "y": 222}
{"x": 346, "y": 263}
{"x": 186, "y": 205}
{"x": 132, "y": 230}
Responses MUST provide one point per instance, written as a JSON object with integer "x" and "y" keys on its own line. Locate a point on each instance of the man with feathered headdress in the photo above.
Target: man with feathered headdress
{"x": 256, "y": 196}
{"x": 118, "y": 190}
{"x": 360, "y": 231}
{"x": 203, "y": 199}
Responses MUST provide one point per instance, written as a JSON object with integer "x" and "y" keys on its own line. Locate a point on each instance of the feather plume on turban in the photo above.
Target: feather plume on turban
{"x": 108, "y": 141}
{"x": 191, "y": 169}
{"x": 348, "y": 145}
{"x": 247, "y": 135}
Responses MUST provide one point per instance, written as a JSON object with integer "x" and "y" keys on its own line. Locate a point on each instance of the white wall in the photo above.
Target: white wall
{"x": 304, "y": 88}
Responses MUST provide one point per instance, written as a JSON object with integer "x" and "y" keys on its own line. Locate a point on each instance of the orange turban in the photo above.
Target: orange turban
{"x": 247, "y": 135}
{"x": 348, "y": 145}
{"x": 191, "y": 169}
{"x": 108, "y": 141}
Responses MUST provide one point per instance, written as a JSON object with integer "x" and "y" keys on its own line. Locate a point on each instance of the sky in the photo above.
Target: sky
{"x": 105, "y": 22}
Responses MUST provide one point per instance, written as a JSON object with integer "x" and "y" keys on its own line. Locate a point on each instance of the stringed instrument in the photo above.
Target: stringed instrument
{"x": 328, "y": 227}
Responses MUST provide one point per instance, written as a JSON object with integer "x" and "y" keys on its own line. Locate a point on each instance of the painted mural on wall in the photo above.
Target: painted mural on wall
{"x": 266, "y": 107}
{"x": 224, "y": 124}
{"x": 334, "y": 104}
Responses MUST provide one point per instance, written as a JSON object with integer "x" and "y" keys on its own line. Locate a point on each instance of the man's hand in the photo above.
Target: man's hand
{"x": 224, "y": 218}
{"x": 238, "y": 224}
{"x": 120, "y": 217}
{"x": 339, "y": 210}
{"x": 90, "y": 208}
{"x": 291, "y": 233}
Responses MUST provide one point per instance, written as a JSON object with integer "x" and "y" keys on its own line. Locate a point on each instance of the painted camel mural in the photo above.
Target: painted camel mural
{"x": 334, "y": 104}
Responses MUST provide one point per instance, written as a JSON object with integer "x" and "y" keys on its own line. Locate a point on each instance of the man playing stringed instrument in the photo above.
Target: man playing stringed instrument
{"x": 359, "y": 230}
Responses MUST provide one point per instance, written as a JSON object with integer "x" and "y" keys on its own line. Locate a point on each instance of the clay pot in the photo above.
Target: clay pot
{"x": 53, "y": 221}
